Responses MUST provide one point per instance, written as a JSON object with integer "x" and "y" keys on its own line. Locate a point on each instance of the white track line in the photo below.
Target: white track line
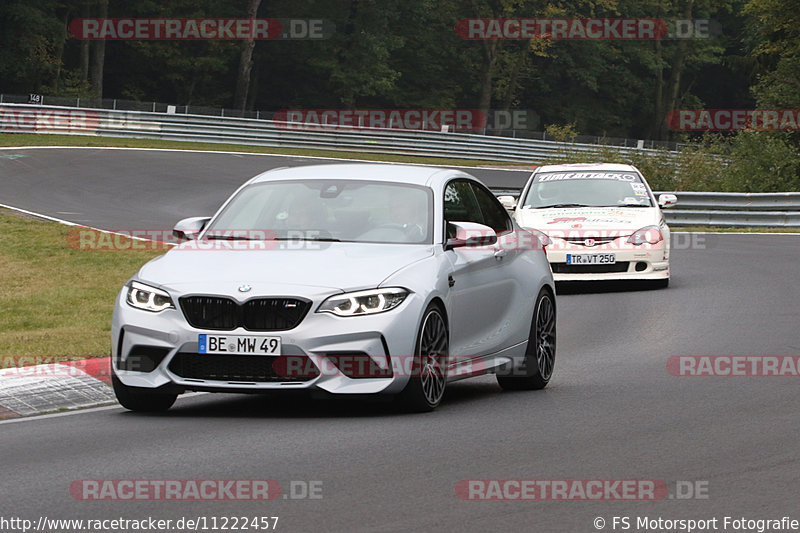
{"x": 329, "y": 158}
{"x": 68, "y": 223}
{"x": 57, "y": 415}
{"x": 46, "y": 217}
{"x": 79, "y": 411}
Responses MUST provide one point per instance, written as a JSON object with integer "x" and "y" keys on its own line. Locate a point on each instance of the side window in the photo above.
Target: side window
{"x": 460, "y": 204}
{"x": 494, "y": 214}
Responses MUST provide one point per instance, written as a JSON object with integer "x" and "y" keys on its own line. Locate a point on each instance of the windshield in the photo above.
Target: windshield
{"x": 587, "y": 189}
{"x": 329, "y": 210}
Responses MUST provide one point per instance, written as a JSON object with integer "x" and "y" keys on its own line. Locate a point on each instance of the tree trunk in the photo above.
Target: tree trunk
{"x": 658, "y": 115}
{"x": 99, "y": 57}
{"x": 487, "y": 74}
{"x": 511, "y": 90}
{"x": 251, "y": 94}
{"x": 676, "y": 70}
{"x": 60, "y": 52}
{"x": 245, "y": 63}
{"x": 86, "y": 12}
{"x": 490, "y": 51}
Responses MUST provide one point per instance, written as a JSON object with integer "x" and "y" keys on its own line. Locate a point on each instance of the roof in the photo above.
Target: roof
{"x": 412, "y": 174}
{"x": 572, "y": 167}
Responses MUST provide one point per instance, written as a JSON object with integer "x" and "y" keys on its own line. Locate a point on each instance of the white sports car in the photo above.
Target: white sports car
{"x": 348, "y": 279}
{"x": 598, "y": 221}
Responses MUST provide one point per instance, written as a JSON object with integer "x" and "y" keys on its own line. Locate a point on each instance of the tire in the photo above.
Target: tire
{"x": 141, "y": 399}
{"x": 428, "y": 380}
{"x": 540, "y": 355}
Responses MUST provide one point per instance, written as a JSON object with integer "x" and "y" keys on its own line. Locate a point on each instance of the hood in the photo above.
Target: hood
{"x": 621, "y": 220}
{"x": 338, "y": 266}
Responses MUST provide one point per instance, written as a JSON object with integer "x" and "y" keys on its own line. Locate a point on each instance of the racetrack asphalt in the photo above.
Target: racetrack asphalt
{"x": 612, "y": 410}
{"x": 126, "y": 189}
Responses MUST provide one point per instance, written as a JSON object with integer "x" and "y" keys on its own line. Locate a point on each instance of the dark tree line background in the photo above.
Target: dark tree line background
{"x": 387, "y": 54}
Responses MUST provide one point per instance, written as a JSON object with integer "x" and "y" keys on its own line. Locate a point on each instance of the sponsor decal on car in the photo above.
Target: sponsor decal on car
{"x": 561, "y": 176}
{"x": 565, "y": 220}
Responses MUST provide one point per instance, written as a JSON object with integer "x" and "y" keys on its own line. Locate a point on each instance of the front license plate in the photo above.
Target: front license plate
{"x": 238, "y": 344}
{"x": 591, "y": 259}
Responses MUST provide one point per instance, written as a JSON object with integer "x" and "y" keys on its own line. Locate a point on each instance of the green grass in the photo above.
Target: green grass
{"x": 33, "y": 139}
{"x": 55, "y": 299}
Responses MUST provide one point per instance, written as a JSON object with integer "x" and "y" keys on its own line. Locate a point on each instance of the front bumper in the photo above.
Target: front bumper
{"x": 151, "y": 350}
{"x": 632, "y": 263}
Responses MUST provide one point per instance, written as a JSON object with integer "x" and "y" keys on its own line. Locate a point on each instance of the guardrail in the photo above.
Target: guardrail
{"x": 24, "y": 118}
{"x": 160, "y": 107}
{"x": 781, "y": 209}
{"x": 735, "y": 209}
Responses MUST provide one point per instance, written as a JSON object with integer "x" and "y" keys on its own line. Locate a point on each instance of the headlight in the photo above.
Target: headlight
{"x": 648, "y": 234}
{"x": 148, "y": 298}
{"x": 363, "y": 302}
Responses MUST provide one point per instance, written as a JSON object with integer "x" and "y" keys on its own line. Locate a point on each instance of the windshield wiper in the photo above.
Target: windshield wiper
{"x": 561, "y": 205}
{"x": 314, "y": 239}
{"x": 228, "y": 238}
{"x": 623, "y": 205}
{"x": 245, "y": 238}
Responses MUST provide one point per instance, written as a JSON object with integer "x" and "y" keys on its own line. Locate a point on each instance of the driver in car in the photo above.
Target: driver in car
{"x": 404, "y": 216}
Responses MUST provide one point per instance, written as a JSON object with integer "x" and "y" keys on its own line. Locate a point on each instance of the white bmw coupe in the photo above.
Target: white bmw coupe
{"x": 346, "y": 278}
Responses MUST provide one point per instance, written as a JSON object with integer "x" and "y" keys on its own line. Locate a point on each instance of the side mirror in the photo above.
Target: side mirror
{"x": 469, "y": 235}
{"x": 189, "y": 228}
{"x": 509, "y": 202}
{"x": 667, "y": 200}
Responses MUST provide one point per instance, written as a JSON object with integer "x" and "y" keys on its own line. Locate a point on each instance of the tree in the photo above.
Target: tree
{"x": 99, "y": 59}
{"x": 775, "y": 33}
{"x": 675, "y": 58}
{"x": 361, "y": 47}
{"x": 29, "y": 36}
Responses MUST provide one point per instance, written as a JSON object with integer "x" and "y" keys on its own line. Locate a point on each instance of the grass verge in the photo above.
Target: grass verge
{"x": 33, "y": 139}
{"x": 728, "y": 229}
{"x": 55, "y": 299}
